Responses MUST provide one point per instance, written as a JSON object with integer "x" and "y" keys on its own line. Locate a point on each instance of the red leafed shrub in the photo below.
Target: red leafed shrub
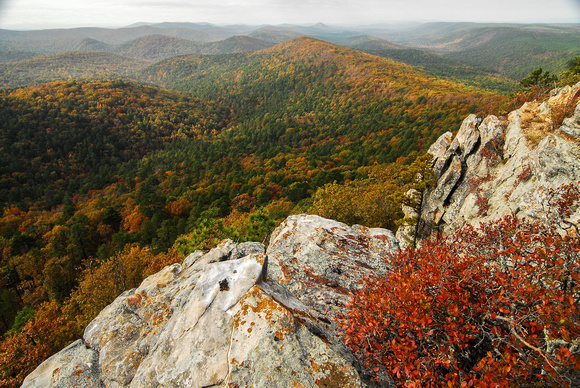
{"x": 496, "y": 306}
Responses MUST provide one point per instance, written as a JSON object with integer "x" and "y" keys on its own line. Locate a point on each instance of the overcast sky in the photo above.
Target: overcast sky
{"x": 36, "y": 14}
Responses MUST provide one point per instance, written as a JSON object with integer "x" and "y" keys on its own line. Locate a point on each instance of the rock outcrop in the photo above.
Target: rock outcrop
{"x": 498, "y": 166}
{"x": 235, "y": 316}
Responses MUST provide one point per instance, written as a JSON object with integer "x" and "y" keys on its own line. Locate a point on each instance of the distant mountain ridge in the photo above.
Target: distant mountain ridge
{"x": 67, "y": 65}
{"x": 508, "y": 50}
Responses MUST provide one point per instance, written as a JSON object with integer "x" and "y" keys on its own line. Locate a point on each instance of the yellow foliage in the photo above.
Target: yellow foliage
{"x": 365, "y": 201}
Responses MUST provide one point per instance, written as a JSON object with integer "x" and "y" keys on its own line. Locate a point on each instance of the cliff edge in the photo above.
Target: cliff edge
{"x": 497, "y": 166}
{"x": 236, "y": 316}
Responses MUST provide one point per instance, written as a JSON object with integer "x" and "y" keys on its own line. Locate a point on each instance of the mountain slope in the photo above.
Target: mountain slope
{"x": 501, "y": 50}
{"x": 157, "y": 47}
{"x": 64, "y": 136}
{"x": 307, "y": 113}
{"x": 307, "y": 75}
{"x": 430, "y": 62}
{"x": 367, "y": 43}
{"x": 235, "y": 44}
{"x": 274, "y": 34}
{"x": 64, "y": 66}
{"x": 42, "y": 42}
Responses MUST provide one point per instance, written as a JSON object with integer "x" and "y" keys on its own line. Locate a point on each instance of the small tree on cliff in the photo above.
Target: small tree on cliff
{"x": 539, "y": 79}
{"x": 572, "y": 75}
{"x": 497, "y": 306}
{"x": 416, "y": 180}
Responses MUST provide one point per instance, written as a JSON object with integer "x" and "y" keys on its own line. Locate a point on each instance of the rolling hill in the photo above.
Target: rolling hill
{"x": 327, "y": 92}
{"x": 158, "y": 47}
{"x": 68, "y": 137}
{"x": 433, "y": 63}
{"x": 474, "y": 50}
{"x": 67, "y": 65}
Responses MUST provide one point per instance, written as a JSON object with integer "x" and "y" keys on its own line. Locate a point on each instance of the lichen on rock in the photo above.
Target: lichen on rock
{"x": 222, "y": 319}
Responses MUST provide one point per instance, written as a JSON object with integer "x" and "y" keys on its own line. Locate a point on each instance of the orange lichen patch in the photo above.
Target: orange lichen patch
{"x": 158, "y": 317}
{"x": 264, "y": 305}
{"x": 279, "y": 335}
{"x": 260, "y": 258}
{"x": 136, "y": 299}
{"x": 78, "y": 371}
{"x": 259, "y": 311}
{"x": 336, "y": 377}
{"x": 296, "y": 384}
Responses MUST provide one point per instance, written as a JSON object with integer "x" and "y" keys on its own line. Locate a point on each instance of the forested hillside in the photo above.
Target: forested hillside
{"x": 105, "y": 181}
{"x": 326, "y": 91}
{"x": 65, "y": 138}
{"x": 66, "y": 66}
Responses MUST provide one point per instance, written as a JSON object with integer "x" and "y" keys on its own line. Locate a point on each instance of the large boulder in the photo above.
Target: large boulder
{"x": 322, "y": 262}
{"x": 74, "y": 366}
{"x": 233, "y": 317}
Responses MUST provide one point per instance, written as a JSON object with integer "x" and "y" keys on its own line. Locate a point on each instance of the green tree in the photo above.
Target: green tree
{"x": 572, "y": 75}
{"x": 416, "y": 179}
{"x": 60, "y": 276}
{"x": 21, "y": 318}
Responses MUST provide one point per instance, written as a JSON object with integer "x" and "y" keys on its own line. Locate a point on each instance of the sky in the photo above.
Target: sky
{"x": 40, "y": 14}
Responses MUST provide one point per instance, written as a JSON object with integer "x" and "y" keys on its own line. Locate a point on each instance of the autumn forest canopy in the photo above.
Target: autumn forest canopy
{"x": 110, "y": 172}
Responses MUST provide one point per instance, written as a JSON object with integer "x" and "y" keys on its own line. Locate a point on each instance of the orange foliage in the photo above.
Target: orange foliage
{"x": 488, "y": 307}
{"x": 179, "y": 208}
{"x": 132, "y": 221}
{"x": 20, "y": 353}
{"x": 54, "y": 326}
{"x": 243, "y": 203}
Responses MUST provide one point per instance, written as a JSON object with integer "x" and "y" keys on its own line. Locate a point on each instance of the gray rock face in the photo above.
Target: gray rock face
{"x": 571, "y": 125}
{"x": 74, "y": 366}
{"x": 467, "y": 137}
{"x": 232, "y": 317}
{"x": 406, "y": 231}
{"x": 441, "y": 153}
{"x": 322, "y": 262}
{"x": 498, "y": 166}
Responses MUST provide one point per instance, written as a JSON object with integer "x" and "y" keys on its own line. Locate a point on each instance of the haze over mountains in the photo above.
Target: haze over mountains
{"x": 444, "y": 49}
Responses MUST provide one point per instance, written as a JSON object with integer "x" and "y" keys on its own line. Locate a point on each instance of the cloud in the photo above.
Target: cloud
{"x": 69, "y": 13}
{"x": 166, "y": 4}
